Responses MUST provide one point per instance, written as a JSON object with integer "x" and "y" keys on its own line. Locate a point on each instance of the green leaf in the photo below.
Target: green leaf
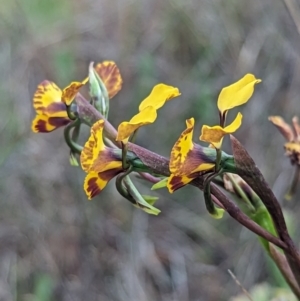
{"x": 138, "y": 198}
{"x": 161, "y": 184}
{"x": 150, "y": 199}
{"x": 73, "y": 160}
{"x": 218, "y": 214}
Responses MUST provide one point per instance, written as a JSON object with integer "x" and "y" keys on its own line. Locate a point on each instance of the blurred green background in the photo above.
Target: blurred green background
{"x": 54, "y": 244}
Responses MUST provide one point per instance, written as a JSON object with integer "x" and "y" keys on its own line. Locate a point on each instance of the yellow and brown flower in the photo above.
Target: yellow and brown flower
{"x": 292, "y": 136}
{"x": 51, "y": 111}
{"x": 188, "y": 159}
{"x": 49, "y": 102}
{"x": 159, "y": 95}
{"x": 101, "y": 163}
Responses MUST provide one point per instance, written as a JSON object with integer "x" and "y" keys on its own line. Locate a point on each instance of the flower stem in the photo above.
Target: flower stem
{"x": 210, "y": 206}
{"x": 218, "y": 159}
{"x": 121, "y": 187}
{"x": 74, "y": 147}
{"x": 124, "y": 154}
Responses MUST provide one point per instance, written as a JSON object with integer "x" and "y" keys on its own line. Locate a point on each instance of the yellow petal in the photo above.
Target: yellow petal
{"x": 235, "y": 124}
{"x": 237, "y": 93}
{"x": 94, "y": 183}
{"x": 95, "y": 156}
{"x": 93, "y": 146}
{"x": 158, "y": 96}
{"x": 69, "y": 93}
{"x": 125, "y": 129}
{"x": 46, "y": 94}
{"x": 292, "y": 147}
{"x": 186, "y": 157}
{"x": 106, "y": 161}
{"x": 215, "y": 134}
{"x": 111, "y": 77}
{"x": 182, "y": 147}
{"x": 176, "y": 182}
{"x": 45, "y": 124}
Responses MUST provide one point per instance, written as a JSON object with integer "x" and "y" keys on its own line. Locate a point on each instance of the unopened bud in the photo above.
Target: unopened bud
{"x": 98, "y": 92}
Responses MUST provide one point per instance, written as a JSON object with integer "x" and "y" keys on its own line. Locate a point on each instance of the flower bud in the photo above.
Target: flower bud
{"x": 98, "y": 92}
